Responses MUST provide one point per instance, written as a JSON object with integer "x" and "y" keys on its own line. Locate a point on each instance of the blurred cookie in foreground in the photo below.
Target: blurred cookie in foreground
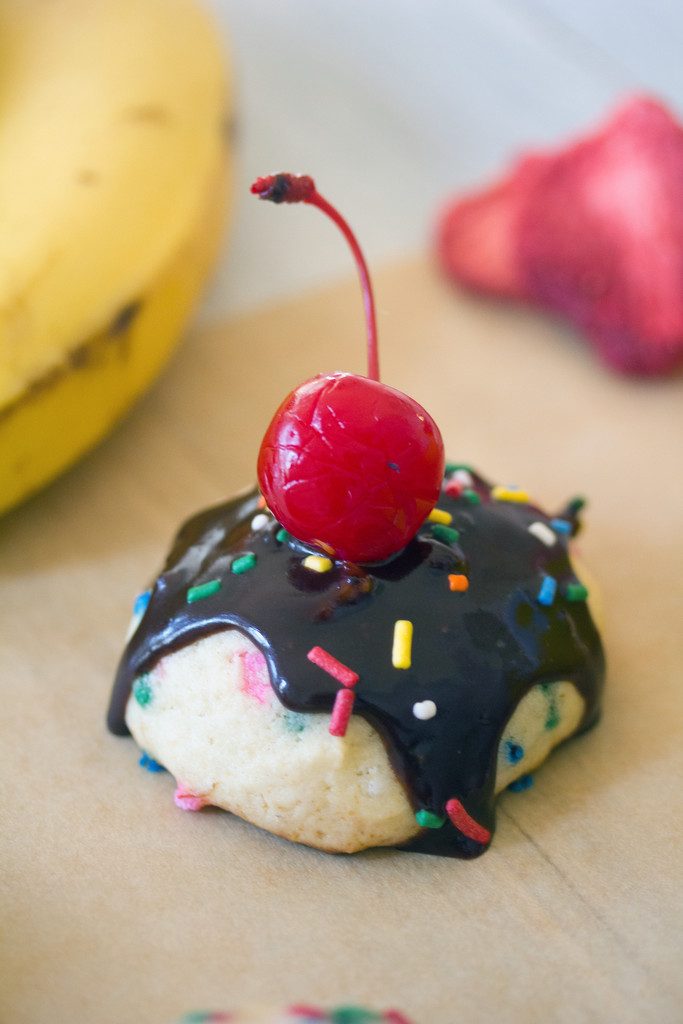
{"x": 592, "y": 231}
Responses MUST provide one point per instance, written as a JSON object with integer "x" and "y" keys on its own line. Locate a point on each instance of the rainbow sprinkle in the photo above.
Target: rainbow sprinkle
{"x": 283, "y": 536}
{"x": 541, "y": 531}
{"x": 401, "y": 652}
{"x": 317, "y": 563}
{"x": 438, "y": 515}
{"x": 424, "y": 710}
{"x": 203, "y": 590}
{"x": 499, "y": 493}
{"x": 561, "y": 526}
{"x": 457, "y": 582}
{"x": 150, "y": 764}
{"x": 142, "y": 691}
{"x": 260, "y": 521}
{"x": 466, "y": 824}
{"x": 471, "y": 496}
{"x": 341, "y": 712}
{"x": 243, "y": 564}
{"x": 141, "y": 602}
{"x": 324, "y": 660}
{"x": 576, "y": 592}
{"x": 547, "y": 591}
{"x": 427, "y": 819}
{"x": 454, "y": 488}
{"x": 446, "y": 534}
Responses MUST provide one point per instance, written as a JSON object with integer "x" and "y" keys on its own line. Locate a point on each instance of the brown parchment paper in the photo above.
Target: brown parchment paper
{"x": 118, "y": 907}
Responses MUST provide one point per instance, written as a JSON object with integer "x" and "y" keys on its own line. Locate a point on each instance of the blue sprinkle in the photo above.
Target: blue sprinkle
{"x": 150, "y": 764}
{"x": 513, "y": 751}
{"x": 561, "y": 526}
{"x": 547, "y": 590}
{"x": 522, "y": 783}
{"x": 141, "y": 602}
{"x": 394, "y": 466}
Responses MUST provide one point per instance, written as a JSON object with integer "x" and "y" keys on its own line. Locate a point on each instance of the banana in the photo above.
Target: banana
{"x": 114, "y": 166}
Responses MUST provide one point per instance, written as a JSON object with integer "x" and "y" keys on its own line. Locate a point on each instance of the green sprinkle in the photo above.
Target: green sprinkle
{"x": 453, "y": 467}
{"x": 203, "y": 590}
{"x": 576, "y": 504}
{"x": 427, "y": 819}
{"x": 282, "y": 535}
{"x": 446, "y": 534}
{"x": 142, "y": 691}
{"x": 472, "y": 497}
{"x": 353, "y": 1015}
{"x": 553, "y": 719}
{"x": 243, "y": 564}
{"x": 576, "y": 592}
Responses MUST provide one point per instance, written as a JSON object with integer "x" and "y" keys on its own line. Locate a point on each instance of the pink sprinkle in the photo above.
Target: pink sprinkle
{"x": 310, "y": 1012}
{"x": 342, "y": 673}
{"x": 453, "y": 489}
{"x": 341, "y": 712}
{"x": 394, "y": 1017}
{"x": 466, "y": 824}
{"x": 255, "y": 678}
{"x": 188, "y": 801}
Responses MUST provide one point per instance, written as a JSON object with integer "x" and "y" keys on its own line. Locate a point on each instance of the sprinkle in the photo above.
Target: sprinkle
{"x": 575, "y": 505}
{"x": 453, "y": 489}
{"x": 317, "y": 563}
{"x": 424, "y": 710}
{"x": 576, "y": 592}
{"x": 561, "y": 526}
{"x": 282, "y": 535}
{"x": 395, "y": 466}
{"x": 499, "y": 493}
{"x": 472, "y": 497}
{"x": 547, "y": 590}
{"x": 446, "y": 534}
{"x": 458, "y": 582}
{"x": 464, "y": 477}
{"x": 458, "y": 467}
{"x": 261, "y": 503}
{"x": 403, "y": 642}
{"x": 260, "y": 521}
{"x": 188, "y": 801}
{"x": 541, "y": 531}
{"x": 341, "y": 712}
{"x": 141, "y": 602}
{"x": 308, "y": 1012}
{"x": 352, "y": 1015}
{"x": 324, "y": 660}
{"x": 438, "y": 515}
{"x": 142, "y": 691}
{"x": 427, "y": 819}
{"x": 465, "y": 824}
{"x": 394, "y": 1017}
{"x": 244, "y": 563}
{"x": 203, "y": 590}
{"x": 514, "y": 752}
{"x": 522, "y": 783}
{"x": 150, "y": 764}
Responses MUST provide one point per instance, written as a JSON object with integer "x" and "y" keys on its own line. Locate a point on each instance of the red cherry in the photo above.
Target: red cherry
{"x": 350, "y": 464}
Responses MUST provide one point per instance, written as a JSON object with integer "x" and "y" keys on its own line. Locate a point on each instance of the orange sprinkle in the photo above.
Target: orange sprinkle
{"x": 457, "y": 581}
{"x": 261, "y": 502}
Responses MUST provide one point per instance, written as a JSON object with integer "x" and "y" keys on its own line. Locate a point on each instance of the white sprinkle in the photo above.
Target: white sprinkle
{"x": 542, "y": 532}
{"x": 260, "y": 521}
{"x": 424, "y": 709}
{"x": 463, "y": 476}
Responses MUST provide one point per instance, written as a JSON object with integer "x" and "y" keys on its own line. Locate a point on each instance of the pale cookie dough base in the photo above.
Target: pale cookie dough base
{"x": 214, "y": 722}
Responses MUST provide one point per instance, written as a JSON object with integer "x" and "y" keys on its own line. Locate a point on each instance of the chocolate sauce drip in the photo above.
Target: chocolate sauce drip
{"x": 475, "y": 653}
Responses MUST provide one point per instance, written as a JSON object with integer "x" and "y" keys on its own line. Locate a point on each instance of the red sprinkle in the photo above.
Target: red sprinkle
{"x": 467, "y": 825}
{"x": 342, "y": 673}
{"x": 454, "y": 489}
{"x": 311, "y": 1012}
{"x": 341, "y": 712}
{"x": 394, "y": 1017}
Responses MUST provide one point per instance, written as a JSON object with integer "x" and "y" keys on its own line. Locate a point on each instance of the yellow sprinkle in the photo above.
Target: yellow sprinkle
{"x": 318, "y": 563}
{"x": 403, "y": 643}
{"x": 509, "y": 494}
{"x": 437, "y": 515}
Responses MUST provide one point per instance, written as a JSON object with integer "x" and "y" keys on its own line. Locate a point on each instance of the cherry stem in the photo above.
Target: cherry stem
{"x": 299, "y": 188}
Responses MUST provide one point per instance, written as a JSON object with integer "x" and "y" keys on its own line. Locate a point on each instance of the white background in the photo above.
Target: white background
{"x": 392, "y": 105}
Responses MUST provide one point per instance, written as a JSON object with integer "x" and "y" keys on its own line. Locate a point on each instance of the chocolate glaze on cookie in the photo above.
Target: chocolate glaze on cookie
{"x": 475, "y": 653}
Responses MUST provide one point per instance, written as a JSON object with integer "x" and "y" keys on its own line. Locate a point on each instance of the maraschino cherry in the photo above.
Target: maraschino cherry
{"x": 348, "y": 464}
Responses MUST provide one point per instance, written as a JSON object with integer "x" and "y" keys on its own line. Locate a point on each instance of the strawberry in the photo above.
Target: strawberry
{"x": 593, "y": 231}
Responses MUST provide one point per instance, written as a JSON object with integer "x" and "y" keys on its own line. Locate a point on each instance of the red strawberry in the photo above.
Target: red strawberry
{"x": 594, "y": 232}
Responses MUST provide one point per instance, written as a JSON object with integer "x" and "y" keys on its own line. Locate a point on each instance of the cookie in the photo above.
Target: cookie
{"x": 347, "y": 706}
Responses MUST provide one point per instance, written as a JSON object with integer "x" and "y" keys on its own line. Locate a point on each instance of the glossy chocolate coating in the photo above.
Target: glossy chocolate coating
{"x": 475, "y": 653}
